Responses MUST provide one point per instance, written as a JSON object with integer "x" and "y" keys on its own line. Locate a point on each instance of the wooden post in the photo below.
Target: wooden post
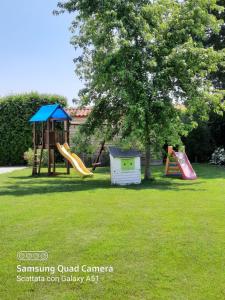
{"x": 43, "y": 134}
{"x": 68, "y": 132}
{"x": 67, "y": 139}
{"x": 97, "y": 161}
{"x": 49, "y": 148}
{"x": 42, "y": 147}
{"x": 53, "y": 150}
{"x": 34, "y": 135}
{"x": 34, "y": 171}
{"x": 170, "y": 151}
{"x": 40, "y": 161}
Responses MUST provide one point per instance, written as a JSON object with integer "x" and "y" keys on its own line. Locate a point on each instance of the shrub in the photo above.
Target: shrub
{"x": 218, "y": 157}
{"x": 200, "y": 143}
{"x": 15, "y": 130}
{"x": 82, "y": 143}
{"x": 29, "y": 156}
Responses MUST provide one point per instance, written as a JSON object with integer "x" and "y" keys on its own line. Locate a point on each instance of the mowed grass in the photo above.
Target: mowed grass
{"x": 165, "y": 239}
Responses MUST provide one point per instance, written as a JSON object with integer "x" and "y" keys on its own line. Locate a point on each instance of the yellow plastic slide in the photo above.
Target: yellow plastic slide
{"x": 75, "y": 161}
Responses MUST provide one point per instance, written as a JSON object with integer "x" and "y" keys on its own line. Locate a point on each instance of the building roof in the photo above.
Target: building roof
{"x": 79, "y": 112}
{"x": 52, "y": 111}
{"x": 85, "y": 111}
{"x": 118, "y": 152}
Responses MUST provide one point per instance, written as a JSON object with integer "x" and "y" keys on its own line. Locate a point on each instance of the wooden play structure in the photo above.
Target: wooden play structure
{"x": 178, "y": 165}
{"x": 51, "y": 125}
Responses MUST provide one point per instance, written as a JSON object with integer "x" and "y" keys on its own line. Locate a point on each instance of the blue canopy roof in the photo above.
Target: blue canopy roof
{"x": 52, "y": 111}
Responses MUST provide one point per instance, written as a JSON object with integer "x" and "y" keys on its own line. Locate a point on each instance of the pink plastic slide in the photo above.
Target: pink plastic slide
{"x": 185, "y": 166}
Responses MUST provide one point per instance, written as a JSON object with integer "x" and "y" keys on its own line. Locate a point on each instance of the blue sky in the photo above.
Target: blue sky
{"x": 35, "y": 53}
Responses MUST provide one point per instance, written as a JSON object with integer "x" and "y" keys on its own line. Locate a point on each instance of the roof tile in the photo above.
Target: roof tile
{"x": 79, "y": 112}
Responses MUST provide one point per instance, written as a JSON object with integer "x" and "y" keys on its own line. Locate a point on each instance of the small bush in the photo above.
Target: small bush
{"x": 29, "y": 157}
{"x": 218, "y": 157}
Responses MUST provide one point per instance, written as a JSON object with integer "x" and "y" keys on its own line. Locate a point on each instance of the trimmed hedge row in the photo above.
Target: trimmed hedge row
{"x": 15, "y": 130}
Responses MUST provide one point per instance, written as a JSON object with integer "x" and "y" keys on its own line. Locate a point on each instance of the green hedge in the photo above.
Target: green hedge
{"x": 15, "y": 130}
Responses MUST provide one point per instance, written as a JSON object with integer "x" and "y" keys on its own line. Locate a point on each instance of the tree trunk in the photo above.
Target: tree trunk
{"x": 147, "y": 160}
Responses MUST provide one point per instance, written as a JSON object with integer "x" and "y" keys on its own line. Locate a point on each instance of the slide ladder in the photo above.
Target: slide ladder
{"x": 178, "y": 165}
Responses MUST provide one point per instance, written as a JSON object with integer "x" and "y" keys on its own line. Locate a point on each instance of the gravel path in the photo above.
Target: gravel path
{"x": 10, "y": 169}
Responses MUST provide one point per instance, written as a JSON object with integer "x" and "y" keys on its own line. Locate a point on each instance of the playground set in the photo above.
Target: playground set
{"x": 51, "y": 126}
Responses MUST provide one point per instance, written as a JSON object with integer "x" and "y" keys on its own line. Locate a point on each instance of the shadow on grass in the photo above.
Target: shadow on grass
{"x": 208, "y": 171}
{"x": 27, "y": 185}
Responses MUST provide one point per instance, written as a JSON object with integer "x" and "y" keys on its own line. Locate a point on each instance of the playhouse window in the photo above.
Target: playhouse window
{"x": 127, "y": 164}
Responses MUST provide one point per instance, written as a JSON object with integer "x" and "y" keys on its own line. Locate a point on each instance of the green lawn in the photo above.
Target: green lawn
{"x": 165, "y": 239}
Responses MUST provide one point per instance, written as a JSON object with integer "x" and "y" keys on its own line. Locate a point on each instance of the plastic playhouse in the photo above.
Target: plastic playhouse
{"x": 125, "y": 166}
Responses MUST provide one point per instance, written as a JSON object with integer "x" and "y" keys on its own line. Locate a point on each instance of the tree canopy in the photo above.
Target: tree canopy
{"x": 142, "y": 61}
{"x": 218, "y": 42}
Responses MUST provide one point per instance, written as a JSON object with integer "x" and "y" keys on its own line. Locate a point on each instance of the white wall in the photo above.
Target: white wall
{"x": 124, "y": 177}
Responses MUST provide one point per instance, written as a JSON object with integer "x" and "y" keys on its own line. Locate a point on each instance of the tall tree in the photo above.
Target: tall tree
{"x": 139, "y": 59}
{"x": 218, "y": 42}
